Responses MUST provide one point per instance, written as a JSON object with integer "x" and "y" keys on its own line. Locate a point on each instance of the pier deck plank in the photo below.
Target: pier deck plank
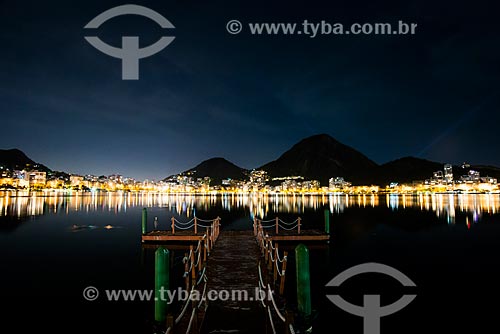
{"x": 233, "y": 266}
{"x": 159, "y": 236}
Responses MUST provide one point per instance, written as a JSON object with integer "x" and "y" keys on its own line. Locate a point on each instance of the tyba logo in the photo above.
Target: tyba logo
{"x": 130, "y": 53}
{"x": 371, "y": 311}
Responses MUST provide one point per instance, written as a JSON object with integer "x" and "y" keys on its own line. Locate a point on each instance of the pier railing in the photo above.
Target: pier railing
{"x": 272, "y": 259}
{"x": 276, "y": 267}
{"x": 195, "y": 268}
{"x": 195, "y": 277}
{"x": 195, "y": 224}
{"x": 270, "y": 305}
{"x": 276, "y": 225}
{"x": 195, "y": 273}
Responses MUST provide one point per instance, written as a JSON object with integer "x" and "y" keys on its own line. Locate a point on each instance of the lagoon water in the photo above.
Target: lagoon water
{"x": 52, "y": 247}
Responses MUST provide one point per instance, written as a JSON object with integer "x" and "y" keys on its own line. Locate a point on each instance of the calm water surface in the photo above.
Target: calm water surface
{"x": 447, "y": 244}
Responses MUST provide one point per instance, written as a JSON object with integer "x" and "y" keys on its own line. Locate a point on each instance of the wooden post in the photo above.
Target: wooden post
{"x": 283, "y": 272}
{"x": 208, "y": 239}
{"x": 212, "y": 230}
{"x": 186, "y": 270}
{"x": 275, "y": 270}
{"x": 262, "y": 244}
{"x": 271, "y": 262}
{"x": 170, "y": 320}
{"x": 277, "y": 224}
{"x": 218, "y": 229}
{"x": 195, "y": 226}
{"x": 266, "y": 253}
{"x": 299, "y": 219}
{"x": 289, "y": 320}
{"x": 173, "y": 225}
{"x": 193, "y": 267}
{"x": 194, "y": 325}
{"x": 205, "y": 250}
{"x": 199, "y": 257}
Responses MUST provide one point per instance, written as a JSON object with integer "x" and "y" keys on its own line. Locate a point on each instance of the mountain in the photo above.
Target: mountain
{"x": 405, "y": 170}
{"x": 15, "y": 159}
{"x": 217, "y": 169}
{"x": 321, "y": 157}
{"x": 408, "y": 169}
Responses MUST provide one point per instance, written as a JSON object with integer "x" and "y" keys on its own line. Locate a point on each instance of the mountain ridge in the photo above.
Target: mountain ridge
{"x": 15, "y": 159}
{"x": 217, "y": 169}
{"x": 319, "y": 157}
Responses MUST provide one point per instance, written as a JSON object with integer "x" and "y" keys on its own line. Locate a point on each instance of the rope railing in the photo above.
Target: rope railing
{"x": 183, "y": 223}
{"x": 271, "y": 319}
{"x": 183, "y": 311}
{"x": 195, "y": 276}
{"x": 270, "y": 292}
{"x": 266, "y": 290}
{"x": 278, "y": 225}
{"x": 275, "y": 262}
{"x": 184, "y": 227}
{"x": 195, "y": 303}
{"x": 267, "y": 221}
{"x": 292, "y": 223}
{"x": 288, "y": 228}
{"x": 204, "y": 220}
{"x": 212, "y": 229}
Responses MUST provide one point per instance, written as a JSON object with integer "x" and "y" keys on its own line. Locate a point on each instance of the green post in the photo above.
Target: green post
{"x": 303, "y": 280}
{"x": 327, "y": 221}
{"x": 144, "y": 221}
{"x": 162, "y": 283}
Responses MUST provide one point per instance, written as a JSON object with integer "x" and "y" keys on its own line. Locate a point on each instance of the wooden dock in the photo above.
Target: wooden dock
{"x": 246, "y": 262}
{"x": 233, "y": 266}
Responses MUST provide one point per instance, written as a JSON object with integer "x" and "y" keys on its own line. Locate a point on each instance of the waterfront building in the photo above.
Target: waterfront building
{"x": 448, "y": 174}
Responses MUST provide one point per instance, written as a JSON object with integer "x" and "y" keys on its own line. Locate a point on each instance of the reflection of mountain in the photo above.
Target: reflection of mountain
{"x": 16, "y": 159}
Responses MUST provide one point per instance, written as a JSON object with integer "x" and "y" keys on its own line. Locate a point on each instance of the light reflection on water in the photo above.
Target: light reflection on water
{"x": 445, "y": 206}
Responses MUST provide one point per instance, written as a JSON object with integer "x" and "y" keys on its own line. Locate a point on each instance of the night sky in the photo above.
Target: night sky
{"x": 248, "y": 98}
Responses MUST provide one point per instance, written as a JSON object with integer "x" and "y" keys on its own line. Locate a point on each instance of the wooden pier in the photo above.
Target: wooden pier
{"x": 233, "y": 266}
{"x": 228, "y": 261}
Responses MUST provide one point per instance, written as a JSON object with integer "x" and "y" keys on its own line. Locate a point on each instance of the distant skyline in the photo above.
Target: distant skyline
{"x": 248, "y": 98}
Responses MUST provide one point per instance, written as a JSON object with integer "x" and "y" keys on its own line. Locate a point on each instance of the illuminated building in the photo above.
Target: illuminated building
{"x": 75, "y": 180}
{"x": 448, "y": 174}
{"x": 36, "y": 179}
{"x": 338, "y": 183}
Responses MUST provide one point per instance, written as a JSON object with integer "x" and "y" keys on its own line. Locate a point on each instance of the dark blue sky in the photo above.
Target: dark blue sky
{"x": 248, "y": 98}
